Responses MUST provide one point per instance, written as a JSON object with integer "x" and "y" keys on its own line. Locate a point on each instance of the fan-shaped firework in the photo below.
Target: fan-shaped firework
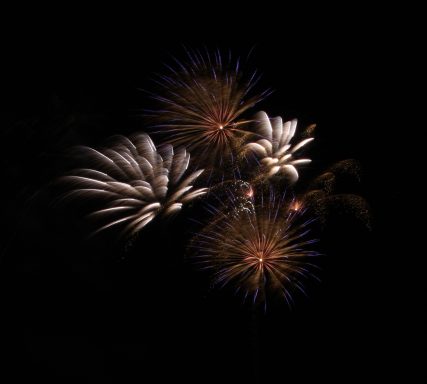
{"x": 274, "y": 149}
{"x": 201, "y": 105}
{"x": 135, "y": 182}
{"x": 257, "y": 250}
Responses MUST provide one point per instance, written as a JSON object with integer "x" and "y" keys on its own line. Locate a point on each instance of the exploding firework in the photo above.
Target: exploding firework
{"x": 274, "y": 150}
{"x": 258, "y": 250}
{"x": 134, "y": 182}
{"x": 325, "y": 196}
{"x": 201, "y": 104}
{"x": 233, "y": 196}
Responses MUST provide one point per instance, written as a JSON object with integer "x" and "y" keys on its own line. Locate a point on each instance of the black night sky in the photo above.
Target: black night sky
{"x": 80, "y": 310}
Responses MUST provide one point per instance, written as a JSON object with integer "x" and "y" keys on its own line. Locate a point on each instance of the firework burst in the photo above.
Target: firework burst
{"x": 324, "y": 195}
{"x": 135, "y": 182}
{"x": 274, "y": 150}
{"x": 201, "y": 105}
{"x": 258, "y": 250}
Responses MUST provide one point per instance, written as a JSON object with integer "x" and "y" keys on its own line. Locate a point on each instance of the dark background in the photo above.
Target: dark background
{"x": 80, "y": 310}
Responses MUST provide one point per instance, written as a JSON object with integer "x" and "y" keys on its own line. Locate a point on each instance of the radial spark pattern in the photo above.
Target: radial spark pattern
{"x": 260, "y": 250}
{"x": 201, "y": 103}
{"x": 135, "y": 182}
{"x": 274, "y": 149}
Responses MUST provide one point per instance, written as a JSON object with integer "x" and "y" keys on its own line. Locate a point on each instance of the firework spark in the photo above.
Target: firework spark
{"x": 135, "y": 182}
{"x": 202, "y": 103}
{"x": 259, "y": 250}
{"x": 274, "y": 149}
{"x": 324, "y": 195}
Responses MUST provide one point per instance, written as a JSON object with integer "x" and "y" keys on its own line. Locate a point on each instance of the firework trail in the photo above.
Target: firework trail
{"x": 259, "y": 250}
{"x": 323, "y": 195}
{"x": 201, "y": 104}
{"x": 274, "y": 149}
{"x": 135, "y": 182}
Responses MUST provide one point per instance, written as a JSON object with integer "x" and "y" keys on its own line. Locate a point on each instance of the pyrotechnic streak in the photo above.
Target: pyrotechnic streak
{"x": 134, "y": 182}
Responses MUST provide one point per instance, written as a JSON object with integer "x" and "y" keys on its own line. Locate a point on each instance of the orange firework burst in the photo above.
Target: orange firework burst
{"x": 258, "y": 250}
{"x": 202, "y": 102}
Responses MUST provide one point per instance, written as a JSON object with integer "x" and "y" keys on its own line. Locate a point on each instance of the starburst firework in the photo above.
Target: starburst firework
{"x": 201, "y": 104}
{"x": 274, "y": 149}
{"x": 135, "y": 182}
{"x": 257, "y": 250}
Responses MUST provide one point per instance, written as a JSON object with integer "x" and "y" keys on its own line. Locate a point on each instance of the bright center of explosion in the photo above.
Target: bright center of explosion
{"x": 221, "y": 127}
{"x": 250, "y": 193}
{"x": 296, "y": 205}
{"x": 259, "y": 255}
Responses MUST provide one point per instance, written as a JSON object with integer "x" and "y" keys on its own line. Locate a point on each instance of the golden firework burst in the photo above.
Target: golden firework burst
{"x": 260, "y": 250}
{"x": 201, "y": 106}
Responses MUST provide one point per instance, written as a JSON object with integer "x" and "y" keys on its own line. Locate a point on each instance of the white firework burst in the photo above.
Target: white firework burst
{"x": 274, "y": 150}
{"x": 135, "y": 181}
